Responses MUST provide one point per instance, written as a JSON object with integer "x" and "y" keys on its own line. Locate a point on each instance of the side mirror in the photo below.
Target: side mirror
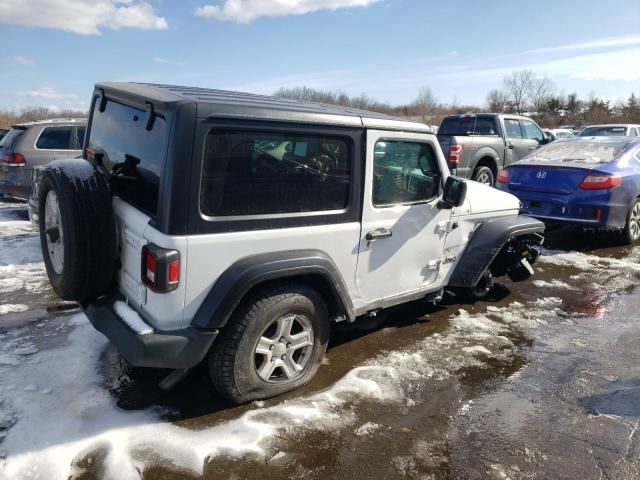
{"x": 455, "y": 193}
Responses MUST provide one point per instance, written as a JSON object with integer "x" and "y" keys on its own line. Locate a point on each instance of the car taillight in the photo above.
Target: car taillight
{"x": 600, "y": 182}
{"x": 160, "y": 268}
{"x": 455, "y": 153}
{"x": 14, "y": 159}
{"x": 503, "y": 176}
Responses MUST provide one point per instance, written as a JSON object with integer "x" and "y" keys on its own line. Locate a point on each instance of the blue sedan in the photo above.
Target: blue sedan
{"x": 593, "y": 182}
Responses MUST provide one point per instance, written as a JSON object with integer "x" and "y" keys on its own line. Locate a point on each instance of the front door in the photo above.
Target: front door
{"x": 403, "y": 231}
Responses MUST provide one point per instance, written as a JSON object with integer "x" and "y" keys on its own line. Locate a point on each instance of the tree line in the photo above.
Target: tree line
{"x": 522, "y": 92}
{"x": 12, "y": 117}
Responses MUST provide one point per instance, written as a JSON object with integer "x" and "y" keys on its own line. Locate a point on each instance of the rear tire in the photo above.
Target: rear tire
{"x": 484, "y": 175}
{"x": 631, "y": 232}
{"x": 77, "y": 230}
{"x": 251, "y": 361}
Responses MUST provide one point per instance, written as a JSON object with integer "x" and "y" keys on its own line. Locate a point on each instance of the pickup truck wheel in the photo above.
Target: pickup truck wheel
{"x": 273, "y": 343}
{"x": 77, "y": 230}
{"x": 484, "y": 175}
{"x": 631, "y": 232}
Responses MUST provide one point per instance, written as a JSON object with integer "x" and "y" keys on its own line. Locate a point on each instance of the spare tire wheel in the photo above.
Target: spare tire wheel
{"x": 77, "y": 230}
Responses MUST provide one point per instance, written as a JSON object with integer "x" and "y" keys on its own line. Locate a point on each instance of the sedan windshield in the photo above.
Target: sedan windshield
{"x": 604, "y": 132}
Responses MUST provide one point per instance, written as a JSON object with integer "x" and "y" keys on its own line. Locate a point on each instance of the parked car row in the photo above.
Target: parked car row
{"x": 33, "y": 144}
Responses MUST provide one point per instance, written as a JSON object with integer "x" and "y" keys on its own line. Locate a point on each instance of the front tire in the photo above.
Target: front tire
{"x": 484, "y": 175}
{"x": 631, "y": 232}
{"x": 273, "y": 343}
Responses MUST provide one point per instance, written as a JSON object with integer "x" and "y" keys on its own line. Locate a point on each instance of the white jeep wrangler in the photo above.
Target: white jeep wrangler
{"x": 235, "y": 228}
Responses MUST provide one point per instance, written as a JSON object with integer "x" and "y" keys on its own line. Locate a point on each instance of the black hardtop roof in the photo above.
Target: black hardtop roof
{"x": 227, "y": 104}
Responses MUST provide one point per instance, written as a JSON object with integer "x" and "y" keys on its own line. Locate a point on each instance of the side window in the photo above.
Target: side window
{"x": 264, "y": 173}
{"x": 404, "y": 172}
{"x": 532, "y": 132}
{"x": 80, "y": 131}
{"x": 512, "y": 128}
{"x": 633, "y": 132}
{"x": 485, "y": 126}
{"x": 55, "y": 138}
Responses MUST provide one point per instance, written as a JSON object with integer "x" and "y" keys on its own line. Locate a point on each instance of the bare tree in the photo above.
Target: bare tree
{"x": 541, "y": 91}
{"x": 426, "y": 104}
{"x": 518, "y": 86}
{"x": 497, "y": 101}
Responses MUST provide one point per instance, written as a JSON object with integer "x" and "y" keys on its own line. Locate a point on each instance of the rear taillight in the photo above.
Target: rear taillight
{"x": 14, "y": 159}
{"x": 455, "y": 153}
{"x": 160, "y": 268}
{"x": 503, "y": 176}
{"x": 600, "y": 182}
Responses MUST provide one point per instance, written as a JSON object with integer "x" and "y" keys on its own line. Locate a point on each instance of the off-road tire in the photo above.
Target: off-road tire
{"x": 629, "y": 236}
{"x": 231, "y": 360}
{"x": 481, "y": 173}
{"x": 88, "y": 227}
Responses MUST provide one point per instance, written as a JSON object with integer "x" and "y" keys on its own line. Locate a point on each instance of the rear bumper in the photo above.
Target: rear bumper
{"x": 605, "y": 209}
{"x": 15, "y": 181}
{"x": 174, "y": 349}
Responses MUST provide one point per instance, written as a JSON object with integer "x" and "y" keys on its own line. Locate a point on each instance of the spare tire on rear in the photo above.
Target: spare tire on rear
{"x": 77, "y": 230}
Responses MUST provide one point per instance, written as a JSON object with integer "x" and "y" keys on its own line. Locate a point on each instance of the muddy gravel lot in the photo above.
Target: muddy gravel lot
{"x": 540, "y": 381}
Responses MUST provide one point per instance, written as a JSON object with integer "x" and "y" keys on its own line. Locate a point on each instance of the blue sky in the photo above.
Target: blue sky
{"x": 55, "y": 50}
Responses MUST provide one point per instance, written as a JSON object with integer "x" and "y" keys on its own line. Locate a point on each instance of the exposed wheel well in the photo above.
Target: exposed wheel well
{"x": 488, "y": 162}
{"x": 319, "y": 283}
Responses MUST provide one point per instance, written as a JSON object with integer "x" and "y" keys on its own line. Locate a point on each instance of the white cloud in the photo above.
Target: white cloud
{"x": 160, "y": 60}
{"x": 629, "y": 40}
{"x": 20, "y": 60}
{"x": 48, "y": 93}
{"x": 244, "y": 11}
{"x": 85, "y": 17}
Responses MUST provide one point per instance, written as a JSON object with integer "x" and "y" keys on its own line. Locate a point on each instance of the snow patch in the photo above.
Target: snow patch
{"x": 366, "y": 429}
{"x": 478, "y": 349}
{"x": 131, "y": 318}
{"x": 555, "y": 284}
{"x": 4, "y": 309}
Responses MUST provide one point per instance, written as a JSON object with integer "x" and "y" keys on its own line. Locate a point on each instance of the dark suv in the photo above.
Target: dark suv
{"x": 33, "y": 144}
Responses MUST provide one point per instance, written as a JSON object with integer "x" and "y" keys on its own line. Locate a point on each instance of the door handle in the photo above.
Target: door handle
{"x": 532, "y": 148}
{"x": 377, "y": 234}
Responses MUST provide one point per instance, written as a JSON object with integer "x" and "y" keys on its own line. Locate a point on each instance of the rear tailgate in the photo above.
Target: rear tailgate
{"x": 545, "y": 178}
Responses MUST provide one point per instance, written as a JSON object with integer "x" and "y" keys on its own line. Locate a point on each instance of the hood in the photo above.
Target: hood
{"x": 484, "y": 199}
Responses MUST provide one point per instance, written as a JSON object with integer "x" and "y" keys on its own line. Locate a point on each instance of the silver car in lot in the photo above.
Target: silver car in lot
{"x": 611, "y": 130}
{"x": 30, "y": 145}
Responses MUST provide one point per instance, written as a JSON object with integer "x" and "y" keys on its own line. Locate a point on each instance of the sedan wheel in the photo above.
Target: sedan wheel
{"x": 632, "y": 228}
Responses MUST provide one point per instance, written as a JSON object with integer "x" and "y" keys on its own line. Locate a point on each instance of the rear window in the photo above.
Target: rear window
{"x": 468, "y": 125}
{"x": 11, "y": 138}
{"x": 580, "y": 152}
{"x": 134, "y": 156}
{"x": 604, "y": 132}
{"x": 264, "y": 173}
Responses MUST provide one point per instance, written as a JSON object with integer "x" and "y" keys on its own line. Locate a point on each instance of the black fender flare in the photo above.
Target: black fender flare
{"x": 486, "y": 243}
{"x": 234, "y": 283}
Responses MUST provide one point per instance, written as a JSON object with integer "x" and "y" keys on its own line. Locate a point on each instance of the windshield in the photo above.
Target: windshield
{"x": 579, "y": 151}
{"x": 607, "y": 131}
